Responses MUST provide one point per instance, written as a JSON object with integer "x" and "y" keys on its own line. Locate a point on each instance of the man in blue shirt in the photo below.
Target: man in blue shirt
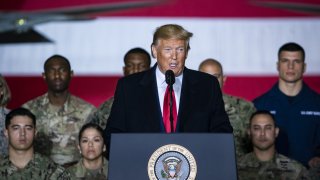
{"x": 295, "y": 106}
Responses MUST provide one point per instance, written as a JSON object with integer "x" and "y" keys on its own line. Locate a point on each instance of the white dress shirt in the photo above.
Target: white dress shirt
{"x": 162, "y": 85}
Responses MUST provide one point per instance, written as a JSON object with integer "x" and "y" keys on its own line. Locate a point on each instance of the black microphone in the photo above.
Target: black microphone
{"x": 170, "y": 80}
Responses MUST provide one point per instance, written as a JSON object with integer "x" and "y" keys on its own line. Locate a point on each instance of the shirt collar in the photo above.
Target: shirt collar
{"x": 161, "y": 79}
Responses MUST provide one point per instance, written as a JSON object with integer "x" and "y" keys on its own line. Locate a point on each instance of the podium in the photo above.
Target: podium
{"x": 176, "y": 156}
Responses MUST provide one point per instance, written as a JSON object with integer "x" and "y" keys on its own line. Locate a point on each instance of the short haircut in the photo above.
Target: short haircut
{"x": 291, "y": 46}
{"x": 6, "y": 97}
{"x": 93, "y": 126}
{"x": 20, "y": 112}
{"x": 171, "y": 31}
{"x": 262, "y": 112}
{"x": 137, "y": 50}
{"x": 56, "y": 56}
{"x": 211, "y": 61}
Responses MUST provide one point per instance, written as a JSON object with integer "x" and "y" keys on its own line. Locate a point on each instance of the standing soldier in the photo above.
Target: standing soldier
{"x": 238, "y": 110}
{"x": 135, "y": 60}
{"x": 60, "y": 114}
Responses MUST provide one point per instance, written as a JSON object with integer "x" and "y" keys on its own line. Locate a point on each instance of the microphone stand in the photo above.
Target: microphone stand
{"x": 170, "y": 105}
{"x": 170, "y": 80}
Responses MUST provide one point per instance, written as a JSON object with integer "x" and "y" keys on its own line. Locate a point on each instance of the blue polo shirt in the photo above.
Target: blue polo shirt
{"x": 298, "y": 118}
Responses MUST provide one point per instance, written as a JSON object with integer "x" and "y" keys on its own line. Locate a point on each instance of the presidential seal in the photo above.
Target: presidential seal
{"x": 172, "y": 162}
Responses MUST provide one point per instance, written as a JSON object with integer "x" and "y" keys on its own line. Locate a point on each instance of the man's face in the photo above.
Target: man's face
{"x": 263, "y": 132}
{"x": 290, "y": 66}
{"x": 215, "y": 71}
{"x": 135, "y": 62}
{"x": 57, "y": 75}
{"x": 170, "y": 54}
{"x": 20, "y": 133}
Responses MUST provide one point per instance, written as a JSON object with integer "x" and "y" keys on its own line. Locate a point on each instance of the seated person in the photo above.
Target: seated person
{"x": 314, "y": 165}
{"x": 315, "y": 172}
{"x": 264, "y": 162}
{"x": 22, "y": 162}
{"x": 92, "y": 165}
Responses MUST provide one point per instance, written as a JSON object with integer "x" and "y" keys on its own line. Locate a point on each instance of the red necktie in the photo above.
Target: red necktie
{"x": 166, "y": 111}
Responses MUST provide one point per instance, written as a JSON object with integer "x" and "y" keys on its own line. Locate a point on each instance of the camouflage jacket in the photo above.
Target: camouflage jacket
{"x": 58, "y": 127}
{"x": 315, "y": 172}
{"x": 3, "y": 139}
{"x": 102, "y": 114}
{"x": 79, "y": 171}
{"x": 239, "y": 112}
{"x": 40, "y": 167}
{"x": 279, "y": 168}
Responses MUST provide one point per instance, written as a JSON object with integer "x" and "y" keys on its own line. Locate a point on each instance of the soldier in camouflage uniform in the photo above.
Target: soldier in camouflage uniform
{"x": 92, "y": 165}
{"x": 135, "y": 60}
{"x": 3, "y": 141}
{"x": 238, "y": 110}
{"x": 80, "y": 172}
{"x": 315, "y": 172}
{"x": 60, "y": 114}
{"x": 102, "y": 114}
{"x": 22, "y": 162}
{"x": 314, "y": 166}
{"x": 5, "y": 97}
{"x": 39, "y": 167}
{"x": 264, "y": 162}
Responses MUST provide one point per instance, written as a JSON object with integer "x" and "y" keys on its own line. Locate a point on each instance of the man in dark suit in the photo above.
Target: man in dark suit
{"x": 139, "y": 98}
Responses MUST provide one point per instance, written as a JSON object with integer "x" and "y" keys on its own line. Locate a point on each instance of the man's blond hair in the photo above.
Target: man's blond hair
{"x": 171, "y": 31}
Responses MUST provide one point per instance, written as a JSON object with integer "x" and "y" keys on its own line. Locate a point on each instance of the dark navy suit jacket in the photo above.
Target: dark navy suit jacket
{"x": 136, "y": 105}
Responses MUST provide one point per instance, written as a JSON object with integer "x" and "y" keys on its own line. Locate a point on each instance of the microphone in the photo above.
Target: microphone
{"x": 170, "y": 80}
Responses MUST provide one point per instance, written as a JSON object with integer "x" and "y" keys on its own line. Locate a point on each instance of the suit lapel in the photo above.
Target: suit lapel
{"x": 152, "y": 105}
{"x": 187, "y": 92}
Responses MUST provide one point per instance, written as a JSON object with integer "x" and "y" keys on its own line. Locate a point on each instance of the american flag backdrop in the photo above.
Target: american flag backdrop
{"x": 242, "y": 35}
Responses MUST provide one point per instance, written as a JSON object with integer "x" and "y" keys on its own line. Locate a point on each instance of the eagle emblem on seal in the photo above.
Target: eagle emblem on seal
{"x": 171, "y": 168}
